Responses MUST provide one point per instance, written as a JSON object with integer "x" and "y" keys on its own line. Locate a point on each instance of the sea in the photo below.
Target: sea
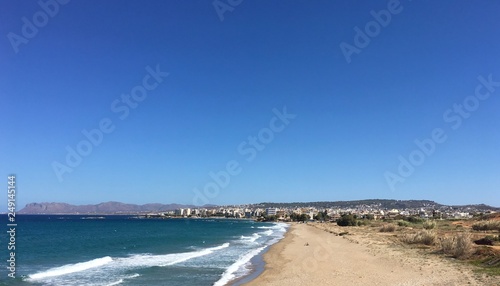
{"x": 66, "y": 250}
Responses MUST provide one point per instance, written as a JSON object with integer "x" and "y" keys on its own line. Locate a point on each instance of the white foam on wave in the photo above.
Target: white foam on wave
{"x": 239, "y": 268}
{"x": 250, "y": 239}
{"x": 277, "y": 226}
{"x": 123, "y": 279}
{"x": 268, "y": 232}
{"x": 72, "y": 268}
{"x": 230, "y": 272}
{"x": 115, "y": 283}
{"x": 190, "y": 255}
{"x": 107, "y": 264}
{"x": 150, "y": 260}
{"x": 275, "y": 229}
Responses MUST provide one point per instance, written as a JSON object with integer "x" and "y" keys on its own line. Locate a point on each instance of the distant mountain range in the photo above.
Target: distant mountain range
{"x": 122, "y": 208}
{"x": 102, "y": 208}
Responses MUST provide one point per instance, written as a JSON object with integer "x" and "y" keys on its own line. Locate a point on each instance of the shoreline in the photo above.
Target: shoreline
{"x": 257, "y": 263}
{"x": 312, "y": 254}
{"x": 270, "y": 257}
{"x": 257, "y": 267}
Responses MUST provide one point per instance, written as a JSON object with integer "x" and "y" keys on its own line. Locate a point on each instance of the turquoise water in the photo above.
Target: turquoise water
{"x": 122, "y": 250}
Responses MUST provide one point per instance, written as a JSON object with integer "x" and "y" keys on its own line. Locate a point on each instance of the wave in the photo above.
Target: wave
{"x": 279, "y": 226}
{"x": 268, "y": 232}
{"x": 238, "y": 268}
{"x": 250, "y": 239}
{"x": 72, "y": 268}
{"x": 150, "y": 260}
{"x": 123, "y": 279}
{"x": 230, "y": 272}
{"x": 132, "y": 262}
{"x": 115, "y": 283}
{"x": 190, "y": 255}
{"x": 275, "y": 229}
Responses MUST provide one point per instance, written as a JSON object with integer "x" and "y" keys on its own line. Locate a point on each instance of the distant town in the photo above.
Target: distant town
{"x": 324, "y": 211}
{"x": 373, "y": 211}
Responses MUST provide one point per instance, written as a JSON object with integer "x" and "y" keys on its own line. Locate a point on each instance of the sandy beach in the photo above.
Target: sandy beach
{"x": 312, "y": 254}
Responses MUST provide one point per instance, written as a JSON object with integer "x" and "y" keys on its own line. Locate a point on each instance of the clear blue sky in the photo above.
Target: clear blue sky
{"x": 353, "y": 120}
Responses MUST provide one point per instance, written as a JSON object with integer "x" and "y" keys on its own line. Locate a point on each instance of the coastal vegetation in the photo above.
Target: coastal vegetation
{"x": 299, "y": 217}
{"x": 351, "y": 220}
{"x": 388, "y": 228}
{"x": 486, "y": 225}
{"x": 403, "y": 223}
{"x": 429, "y": 225}
{"x": 473, "y": 241}
{"x": 459, "y": 245}
{"x": 424, "y": 237}
{"x": 347, "y": 220}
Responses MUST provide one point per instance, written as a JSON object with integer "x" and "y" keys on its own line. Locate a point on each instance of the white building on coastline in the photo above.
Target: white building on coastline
{"x": 271, "y": 211}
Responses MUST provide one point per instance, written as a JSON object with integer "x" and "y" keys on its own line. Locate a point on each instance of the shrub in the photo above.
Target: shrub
{"x": 369, "y": 216}
{"x": 422, "y": 237}
{"x": 493, "y": 238}
{"x": 426, "y": 237}
{"x": 403, "y": 223}
{"x": 408, "y": 238}
{"x": 429, "y": 225}
{"x": 447, "y": 245}
{"x": 459, "y": 246}
{"x": 362, "y": 222}
{"x": 387, "y": 228}
{"x": 347, "y": 220}
{"x": 414, "y": 219}
{"x": 486, "y": 225}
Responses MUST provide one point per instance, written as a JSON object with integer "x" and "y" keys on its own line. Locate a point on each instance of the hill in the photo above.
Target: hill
{"x": 102, "y": 208}
{"x": 376, "y": 203}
